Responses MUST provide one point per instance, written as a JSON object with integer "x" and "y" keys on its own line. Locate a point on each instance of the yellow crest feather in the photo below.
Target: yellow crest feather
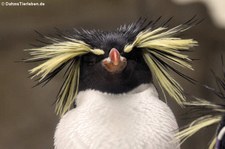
{"x": 159, "y": 46}
{"x": 56, "y": 55}
{"x": 197, "y": 125}
{"x": 214, "y": 116}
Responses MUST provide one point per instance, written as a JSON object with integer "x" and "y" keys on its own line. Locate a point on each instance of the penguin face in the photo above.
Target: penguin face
{"x": 115, "y": 71}
{"x": 113, "y": 61}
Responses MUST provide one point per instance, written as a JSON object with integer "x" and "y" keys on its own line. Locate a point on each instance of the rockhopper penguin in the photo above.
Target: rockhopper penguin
{"x": 208, "y": 113}
{"x": 109, "y": 78}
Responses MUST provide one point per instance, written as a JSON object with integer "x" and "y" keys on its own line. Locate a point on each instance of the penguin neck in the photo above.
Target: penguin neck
{"x": 91, "y": 94}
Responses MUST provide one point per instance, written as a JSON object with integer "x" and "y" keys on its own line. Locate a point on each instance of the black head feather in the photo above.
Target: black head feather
{"x": 94, "y": 76}
{"x": 85, "y": 51}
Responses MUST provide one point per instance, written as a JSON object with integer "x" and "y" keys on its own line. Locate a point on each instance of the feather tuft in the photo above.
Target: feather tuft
{"x": 208, "y": 113}
{"x": 56, "y": 56}
{"x": 159, "y": 46}
{"x": 196, "y": 125}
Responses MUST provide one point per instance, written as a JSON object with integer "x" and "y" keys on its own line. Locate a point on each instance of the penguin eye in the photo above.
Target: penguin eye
{"x": 135, "y": 55}
{"x": 90, "y": 60}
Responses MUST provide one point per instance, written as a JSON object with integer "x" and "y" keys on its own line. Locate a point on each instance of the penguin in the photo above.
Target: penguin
{"x": 108, "y": 99}
{"x": 208, "y": 113}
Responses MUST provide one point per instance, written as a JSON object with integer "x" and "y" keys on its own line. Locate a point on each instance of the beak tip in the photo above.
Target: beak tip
{"x": 115, "y": 63}
{"x": 114, "y": 56}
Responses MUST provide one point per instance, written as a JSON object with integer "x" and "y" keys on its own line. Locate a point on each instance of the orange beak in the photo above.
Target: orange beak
{"x": 115, "y": 63}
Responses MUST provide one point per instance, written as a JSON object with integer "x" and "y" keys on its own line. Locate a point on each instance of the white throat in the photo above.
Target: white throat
{"x": 136, "y": 120}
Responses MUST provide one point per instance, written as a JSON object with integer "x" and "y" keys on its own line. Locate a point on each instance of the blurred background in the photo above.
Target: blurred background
{"x": 27, "y": 118}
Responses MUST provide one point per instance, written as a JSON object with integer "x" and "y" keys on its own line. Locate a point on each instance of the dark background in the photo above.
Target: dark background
{"x": 27, "y": 118}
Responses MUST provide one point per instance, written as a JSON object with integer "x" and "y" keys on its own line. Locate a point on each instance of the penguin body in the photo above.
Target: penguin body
{"x": 109, "y": 78}
{"x": 136, "y": 120}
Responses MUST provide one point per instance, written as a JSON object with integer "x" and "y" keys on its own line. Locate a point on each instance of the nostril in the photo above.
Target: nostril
{"x": 110, "y": 67}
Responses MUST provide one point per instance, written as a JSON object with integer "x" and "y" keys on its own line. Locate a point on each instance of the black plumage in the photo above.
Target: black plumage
{"x": 91, "y": 47}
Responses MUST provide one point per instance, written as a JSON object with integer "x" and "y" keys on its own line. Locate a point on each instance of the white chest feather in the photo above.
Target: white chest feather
{"x": 127, "y": 121}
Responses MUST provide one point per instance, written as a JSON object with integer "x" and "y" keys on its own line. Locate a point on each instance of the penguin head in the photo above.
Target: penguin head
{"x": 114, "y": 61}
{"x": 116, "y": 71}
